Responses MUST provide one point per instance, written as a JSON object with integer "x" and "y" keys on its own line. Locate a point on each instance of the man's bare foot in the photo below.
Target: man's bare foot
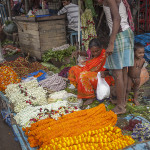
{"x": 113, "y": 101}
{"x": 89, "y": 101}
{"x": 136, "y": 102}
{"x": 119, "y": 110}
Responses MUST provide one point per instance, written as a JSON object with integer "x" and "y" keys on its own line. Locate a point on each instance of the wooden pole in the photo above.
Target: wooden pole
{"x": 79, "y": 24}
{"x": 9, "y": 10}
{"x": 1, "y": 55}
{"x": 26, "y": 6}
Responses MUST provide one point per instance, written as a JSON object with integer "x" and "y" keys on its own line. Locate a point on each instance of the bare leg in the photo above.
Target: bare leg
{"x": 125, "y": 80}
{"x": 136, "y": 90}
{"x": 128, "y": 88}
{"x": 113, "y": 95}
{"x": 119, "y": 82}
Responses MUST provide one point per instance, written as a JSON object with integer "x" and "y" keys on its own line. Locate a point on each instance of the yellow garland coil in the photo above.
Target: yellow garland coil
{"x": 107, "y": 138}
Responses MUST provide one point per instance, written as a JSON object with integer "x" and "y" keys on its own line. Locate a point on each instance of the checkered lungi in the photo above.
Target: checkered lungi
{"x": 123, "y": 54}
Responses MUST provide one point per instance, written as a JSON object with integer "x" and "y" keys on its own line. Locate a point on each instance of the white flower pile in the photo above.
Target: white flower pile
{"x": 26, "y": 94}
{"x": 61, "y": 95}
{"x": 27, "y": 115}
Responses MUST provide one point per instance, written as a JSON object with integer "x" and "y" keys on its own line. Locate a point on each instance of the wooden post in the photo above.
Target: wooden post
{"x": 138, "y": 17}
{"x": 1, "y": 55}
{"x": 9, "y": 10}
{"x": 26, "y": 6}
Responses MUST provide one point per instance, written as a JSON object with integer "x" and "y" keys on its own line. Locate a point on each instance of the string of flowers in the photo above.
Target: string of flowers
{"x": 7, "y": 76}
{"x": 104, "y": 138}
{"x": 32, "y": 114}
{"x": 88, "y": 28}
{"x": 41, "y": 132}
{"x": 25, "y": 94}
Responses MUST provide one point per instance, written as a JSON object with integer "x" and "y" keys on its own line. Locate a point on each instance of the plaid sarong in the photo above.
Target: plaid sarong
{"x": 123, "y": 54}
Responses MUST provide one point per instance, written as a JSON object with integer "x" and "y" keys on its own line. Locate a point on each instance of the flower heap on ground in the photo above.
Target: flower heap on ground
{"x": 25, "y": 94}
{"x": 88, "y": 28}
{"x": 7, "y": 76}
{"x": 31, "y": 114}
{"x": 54, "y": 83}
{"x": 107, "y": 138}
{"x": 141, "y": 131}
{"x": 73, "y": 124}
{"x": 23, "y": 67}
{"x": 61, "y": 95}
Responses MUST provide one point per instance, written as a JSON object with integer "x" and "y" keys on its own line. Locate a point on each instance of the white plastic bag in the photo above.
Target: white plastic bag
{"x": 103, "y": 89}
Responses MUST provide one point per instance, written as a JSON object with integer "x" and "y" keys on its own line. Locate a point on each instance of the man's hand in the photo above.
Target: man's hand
{"x": 109, "y": 50}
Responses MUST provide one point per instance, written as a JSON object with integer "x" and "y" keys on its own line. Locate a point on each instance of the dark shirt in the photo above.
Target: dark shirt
{"x": 16, "y": 9}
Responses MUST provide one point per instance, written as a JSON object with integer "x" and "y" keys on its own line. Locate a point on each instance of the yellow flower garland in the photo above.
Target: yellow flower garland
{"x": 106, "y": 138}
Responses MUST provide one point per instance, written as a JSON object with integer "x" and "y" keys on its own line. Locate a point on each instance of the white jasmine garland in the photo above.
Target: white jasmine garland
{"x": 25, "y": 94}
{"x": 25, "y": 115}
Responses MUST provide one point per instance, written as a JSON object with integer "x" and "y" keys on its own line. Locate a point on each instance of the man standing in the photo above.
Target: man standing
{"x": 120, "y": 53}
{"x": 72, "y": 14}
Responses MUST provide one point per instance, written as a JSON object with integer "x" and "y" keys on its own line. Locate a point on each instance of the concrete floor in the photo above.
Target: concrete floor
{"x": 7, "y": 141}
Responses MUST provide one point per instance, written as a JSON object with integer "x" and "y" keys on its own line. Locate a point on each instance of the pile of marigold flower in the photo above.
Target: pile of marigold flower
{"x": 23, "y": 67}
{"x": 76, "y": 123}
{"x": 107, "y": 138}
{"x": 7, "y": 76}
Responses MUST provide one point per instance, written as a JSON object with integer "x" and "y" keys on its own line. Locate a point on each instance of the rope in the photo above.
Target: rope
{"x": 54, "y": 83}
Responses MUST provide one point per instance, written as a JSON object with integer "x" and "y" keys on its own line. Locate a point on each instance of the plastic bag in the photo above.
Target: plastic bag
{"x": 103, "y": 89}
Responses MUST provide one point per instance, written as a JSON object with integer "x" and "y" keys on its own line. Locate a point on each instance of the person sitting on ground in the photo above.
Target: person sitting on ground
{"x": 84, "y": 77}
{"x": 135, "y": 71}
{"x": 72, "y": 14}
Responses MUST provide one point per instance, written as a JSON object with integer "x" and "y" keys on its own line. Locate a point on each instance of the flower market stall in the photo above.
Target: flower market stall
{"x": 45, "y": 113}
{"x": 42, "y": 108}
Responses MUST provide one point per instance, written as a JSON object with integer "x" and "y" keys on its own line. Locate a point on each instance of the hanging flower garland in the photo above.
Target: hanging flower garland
{"x": 41, "y": 132}
{"x": 104, "y": 138}
{"x": 7, "y": 76}
{"x": 25, "y": 94}
{"x": 88, "y": 28}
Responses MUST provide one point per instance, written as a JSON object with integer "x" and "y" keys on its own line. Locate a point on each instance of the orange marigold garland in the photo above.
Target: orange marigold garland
{"x": 69, "y": 125}
{"x": 7, "y": 76}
